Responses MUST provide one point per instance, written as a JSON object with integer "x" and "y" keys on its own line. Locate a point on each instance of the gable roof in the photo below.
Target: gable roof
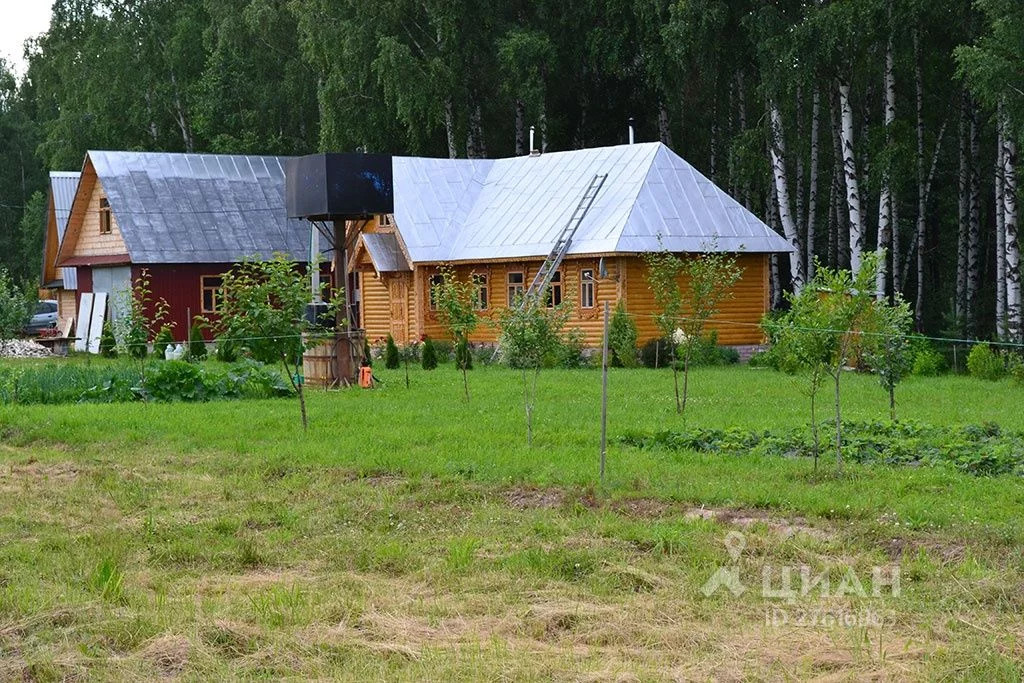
{"x": 199, "y": 208}
{"x": 63, "y": 185}
{"x": 456, "y": 210}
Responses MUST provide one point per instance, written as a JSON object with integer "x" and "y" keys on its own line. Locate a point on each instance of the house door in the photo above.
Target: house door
{"x": 117, "y": 283}
{"x": 398, "y": 294}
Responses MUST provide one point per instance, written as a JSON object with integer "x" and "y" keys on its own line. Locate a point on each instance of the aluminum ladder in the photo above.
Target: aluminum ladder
{"x": 542, "y": 280}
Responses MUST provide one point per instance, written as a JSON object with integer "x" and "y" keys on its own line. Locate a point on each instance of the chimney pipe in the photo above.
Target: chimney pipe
{"x": 533, "y": 150}
{"x": 631, "y": 132}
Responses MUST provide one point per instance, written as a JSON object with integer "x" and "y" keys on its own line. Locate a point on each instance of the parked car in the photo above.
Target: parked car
{"x": 44, "y": 318}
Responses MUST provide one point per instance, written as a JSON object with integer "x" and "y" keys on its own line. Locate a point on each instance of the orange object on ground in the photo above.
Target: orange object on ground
{"x": 366, "y": 377}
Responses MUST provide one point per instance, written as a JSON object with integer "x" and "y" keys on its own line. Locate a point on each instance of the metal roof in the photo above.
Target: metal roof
{"x": 385, "y": 252}
{"x": 63, "y": 185}
{"x": 200, "y": 208}
{"x": 455, "y": 210}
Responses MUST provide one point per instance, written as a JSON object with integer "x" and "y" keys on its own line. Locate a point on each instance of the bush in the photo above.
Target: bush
{"x": 463, "y": 355}
{"x": 928, "y": 363}
{"x": 196, "y": 343}
{"x": 227, "y": 350}
{"x": 571, "y": 353}
{"x": 367, "y": 356}
{"x": 622, "y": 338}
{"x": 178, "y": 380}
{"x": 391, "y": 356}
{"x": 164, "y": 338}
{"x": 1015, "y": 368}
{"x": 656, "y": 353}
{"x": 984, "y": 363}
{"x": 444, "y": 350}
{"x": 108, "y": 345}
{"x": 428, "y": 357}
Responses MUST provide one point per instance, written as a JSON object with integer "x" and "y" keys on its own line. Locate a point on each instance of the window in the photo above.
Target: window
{"x": 105, "y": 220}
{"x": 515, "y": 287}
{"x": 213, "y": 293}
{"x": 435, "y": 281}
{"x": 480, "y": 282}
{"x": 555, "y": 290}
{"x": 384, "y": 220}
{"x": 587, "y": 285}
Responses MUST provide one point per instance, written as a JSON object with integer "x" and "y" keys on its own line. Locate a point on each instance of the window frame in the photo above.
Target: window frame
{"x": 481, "y": 297}
{"x": 554, "y": 296}
{"x": 588, "y": 282}
{"x": 384, "y": 220}
{"x": 435, "y": 279}
{"x": 216, "y": 294}
{"x": 515, "y": 289}
{"x": 106, "y": 217}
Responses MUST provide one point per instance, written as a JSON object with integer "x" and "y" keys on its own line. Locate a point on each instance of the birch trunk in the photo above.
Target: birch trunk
{"x": 799, "y": 212}
{"x": 884, "y": 247}
{"x": 960, "y": 303}
{"x": 449, "y": 128}
{"x": 664, "y": 125}
{"x": 832, "y": 257}
{"x": 850, "y": 176}
{"x": 1000, "y": 231}
{"x": 789, "y": 229}
{"x": 1013, "y": 290}
{"x": 812, "y": 191}
{"x": 921, "y": 199}
{"x": 520, "y": 113}
{"x": 974, "y": 221}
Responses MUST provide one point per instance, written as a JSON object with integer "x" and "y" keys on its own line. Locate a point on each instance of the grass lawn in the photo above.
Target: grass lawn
{"x": 412, "y": 535}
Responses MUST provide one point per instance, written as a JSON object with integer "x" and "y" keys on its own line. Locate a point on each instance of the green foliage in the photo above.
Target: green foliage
{"x": 226, "y": 350}
{"x": 622, "y": 338}
{"x": 463, "y": 354}
{"x": 928, "y": 363}
{"x": 54, "y": 383}
{"x": 142, "y": 317}
{"x": 108, "y": 344}
{"x": 982, "y": 450}
{"x": 657, "y": 353}
{"x": 890, "y": 351}
{"x": 392, "y": 359}
{"x": 984, "y": 363}
{"x": 367, "y": 356}
{"x": 1015, "y": 368}
{"x": 176, "y": 380}
{"x": 428, "y": 355}
{"x": 196, "y": 341}
{"x": 16, "y": 305}
{"x": 164, "y": 338}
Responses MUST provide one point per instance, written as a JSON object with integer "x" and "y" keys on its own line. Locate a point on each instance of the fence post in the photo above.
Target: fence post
{"x": 604, "y": 393}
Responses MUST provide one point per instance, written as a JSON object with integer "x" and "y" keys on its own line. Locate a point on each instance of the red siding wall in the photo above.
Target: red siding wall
{"x": 84, "y": 285}
{"x": 180, "y": 286}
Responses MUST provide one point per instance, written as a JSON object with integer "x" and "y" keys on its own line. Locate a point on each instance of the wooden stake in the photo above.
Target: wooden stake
{"x": 604, "y": 393}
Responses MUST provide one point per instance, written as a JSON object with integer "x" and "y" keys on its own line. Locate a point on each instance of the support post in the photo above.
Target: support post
{"x": 604, "y": 392}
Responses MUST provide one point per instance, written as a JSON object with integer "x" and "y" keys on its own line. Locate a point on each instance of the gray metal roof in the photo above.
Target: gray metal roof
{"x": 200, "y": 208}
{"x": 63, "y": 185}
{"x": 385, "y": 252}
{"x": 454, "y": 210}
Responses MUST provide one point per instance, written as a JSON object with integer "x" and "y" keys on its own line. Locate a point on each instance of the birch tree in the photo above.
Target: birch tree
{"x": 885, "y": 226}
{"x": 789, "y": 228}
{"x": 850, "y": 179}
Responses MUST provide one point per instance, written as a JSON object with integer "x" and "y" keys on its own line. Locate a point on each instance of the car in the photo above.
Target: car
{"x": 44, "y": 317}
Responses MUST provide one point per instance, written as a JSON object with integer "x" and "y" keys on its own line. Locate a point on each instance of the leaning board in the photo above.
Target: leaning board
{"x": 99, "y": 312}
{"x": 84, "y": 316}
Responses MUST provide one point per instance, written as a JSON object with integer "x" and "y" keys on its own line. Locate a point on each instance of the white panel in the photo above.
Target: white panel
{"x": 84, "y": 316}
{"x": 70, "y": 277}
{"x": 99, "y": 312}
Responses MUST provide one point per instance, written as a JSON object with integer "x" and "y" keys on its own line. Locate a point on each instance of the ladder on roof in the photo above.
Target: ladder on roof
{"x": 542, "y": 280}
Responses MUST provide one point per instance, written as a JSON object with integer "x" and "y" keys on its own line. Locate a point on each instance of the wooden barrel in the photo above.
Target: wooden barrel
{"x": 318, "y": 365}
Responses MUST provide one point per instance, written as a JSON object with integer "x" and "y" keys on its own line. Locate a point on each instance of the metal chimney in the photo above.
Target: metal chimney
{"x": 534, "y": 152}
{"x": 632, "y": 135}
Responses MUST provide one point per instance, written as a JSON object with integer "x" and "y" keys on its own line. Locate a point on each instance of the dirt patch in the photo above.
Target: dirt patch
{"x": 527, "y": 498}
{"x": 946, "y": 551}
{"x": 169, "y": 654}
{"x": 35, "y": 470}
{"x": 784, "y": 527}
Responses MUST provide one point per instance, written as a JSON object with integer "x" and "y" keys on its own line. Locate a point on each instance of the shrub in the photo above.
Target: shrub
{"x": 196, "y": 343}
{"x": 1015, "y": 367}
{"x": 367, "y": 356}
{"x": 984, "y": 363}
{"x": 428, "y": 357}
{"x": 928, "y": 363}
{"x": 164, "y": 338}
{"x": 108, "y": 345}
{"x": 657, "y": 353}
{"x": 182, "y": 381}
{"x": 391, "y": 356}
{"x": 622, "y": 338}
{"x": 571, "y": 353}
{"x": 463, "y": 355}
{"x": 227, "y": 350}
{"x": 444, "y": 350}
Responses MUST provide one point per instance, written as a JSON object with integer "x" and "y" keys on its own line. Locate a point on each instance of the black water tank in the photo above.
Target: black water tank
{"x": 339, "y": 186}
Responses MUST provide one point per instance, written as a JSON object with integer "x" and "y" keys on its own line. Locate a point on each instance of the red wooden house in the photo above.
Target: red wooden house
{"x": 183, "y": 218}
